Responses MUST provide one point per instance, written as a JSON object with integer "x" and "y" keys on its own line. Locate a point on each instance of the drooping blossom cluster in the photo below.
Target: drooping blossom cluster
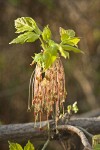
{"x": 48, "y": 90}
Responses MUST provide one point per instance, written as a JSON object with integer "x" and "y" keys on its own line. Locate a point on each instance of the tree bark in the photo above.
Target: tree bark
{"x": 26, "y": 131}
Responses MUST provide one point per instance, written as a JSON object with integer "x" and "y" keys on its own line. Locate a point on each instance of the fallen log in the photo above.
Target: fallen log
{"x": 26, "y": 131}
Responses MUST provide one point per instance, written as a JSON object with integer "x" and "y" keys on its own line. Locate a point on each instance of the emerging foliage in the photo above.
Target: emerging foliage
{"x": 16, "y": 146}
{"x": 26, "y": 24}
{"x": 47, "y": 82}
{"x": 30, "y": 32}
{"x": 96, "y": 142}
{"x": 46, "y": 34}
{"x": 72, "y": 108}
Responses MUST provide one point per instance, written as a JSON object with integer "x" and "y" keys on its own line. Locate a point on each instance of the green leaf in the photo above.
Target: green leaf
{"x": 25, "y": 37}
{"x": 48, "y": 59}
{"x": 25, "y": 24}
{"x": 63, "y": 34}
{"x": 75, "y": 107}
{"x": 46, "y": 34}
{"x": 68, "y": 38}
{"x": 75, "y": 41}
{"x": 29, "y": 146}
{"x": 69, "y": 108}
{"x": 72, "y": 41}
{"x": 49, "y": 54}
{"x": 14, "y": 146}
{"x": 96, "y": 142}
{"x": 71, "y": 33}
{"x": 52, "y": 47}
{"x": 66, "y": 34}
{"x": 52, "y": 44}
{"x": 63, "y": 52}
{"x": 71, "y": 48}
{"x": 38, "y": 58}
{"x": 52, "y": 53}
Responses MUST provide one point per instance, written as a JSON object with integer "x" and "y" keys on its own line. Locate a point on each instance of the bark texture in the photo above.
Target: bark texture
{"x": 26, "y": 131}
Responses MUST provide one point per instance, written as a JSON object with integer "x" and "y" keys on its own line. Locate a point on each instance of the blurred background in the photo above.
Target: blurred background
{"x": 82, "y": 71}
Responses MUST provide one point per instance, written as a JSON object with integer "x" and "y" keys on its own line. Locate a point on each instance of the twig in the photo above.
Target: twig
{"x": 79, "y": 133}
{"x": 46, "y": 144}
{"x": 86, "y": 132}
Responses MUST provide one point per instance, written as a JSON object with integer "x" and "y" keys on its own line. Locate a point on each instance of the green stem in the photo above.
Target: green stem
{"x": 42, "y": 42}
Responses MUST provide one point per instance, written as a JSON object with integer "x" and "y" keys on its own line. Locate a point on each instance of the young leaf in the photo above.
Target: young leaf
{"x": 63, "y": 34}
{"x": 14, "y": 146}
{"x": 25, "y": 24}
{"x": 63, "y": 52}
{"x": 52, "y": 47}
{"x": 38, "y": 58}
{"x": 52, "y": 44}
{"x": 25, "y": 37}
{"x": 71, "y": 48}
{"x": 46, "y": 34}
{"x": 66, "y": 34}
{"x": 69, "y": 108}
{"x": 75, "y": 107}
{"x": 48, "y": 59}
{"x": 72, "y": 41}
{"x": 71, "y": 33}
{"x": 29, "y": 146}
{"x": 75, "y": 41}
{"x": 50, "y": 53}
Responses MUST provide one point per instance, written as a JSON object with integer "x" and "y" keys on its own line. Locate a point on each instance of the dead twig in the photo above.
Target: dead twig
{"x": 46, "y": 144}
{"x": 85, "y": 131}
{"x": 84, "y": 140}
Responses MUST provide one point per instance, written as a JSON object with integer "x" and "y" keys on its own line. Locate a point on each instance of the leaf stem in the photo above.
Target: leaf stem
{"x": 42, "y": 42}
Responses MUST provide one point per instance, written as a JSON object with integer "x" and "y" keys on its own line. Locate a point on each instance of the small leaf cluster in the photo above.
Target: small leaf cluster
{"x": 96, "y": 142}
{"x": 72, "y": 108}
{"x": 16, "y": 146}
{"x": 97, "y": 147}
{"x": 28, "y": 31}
